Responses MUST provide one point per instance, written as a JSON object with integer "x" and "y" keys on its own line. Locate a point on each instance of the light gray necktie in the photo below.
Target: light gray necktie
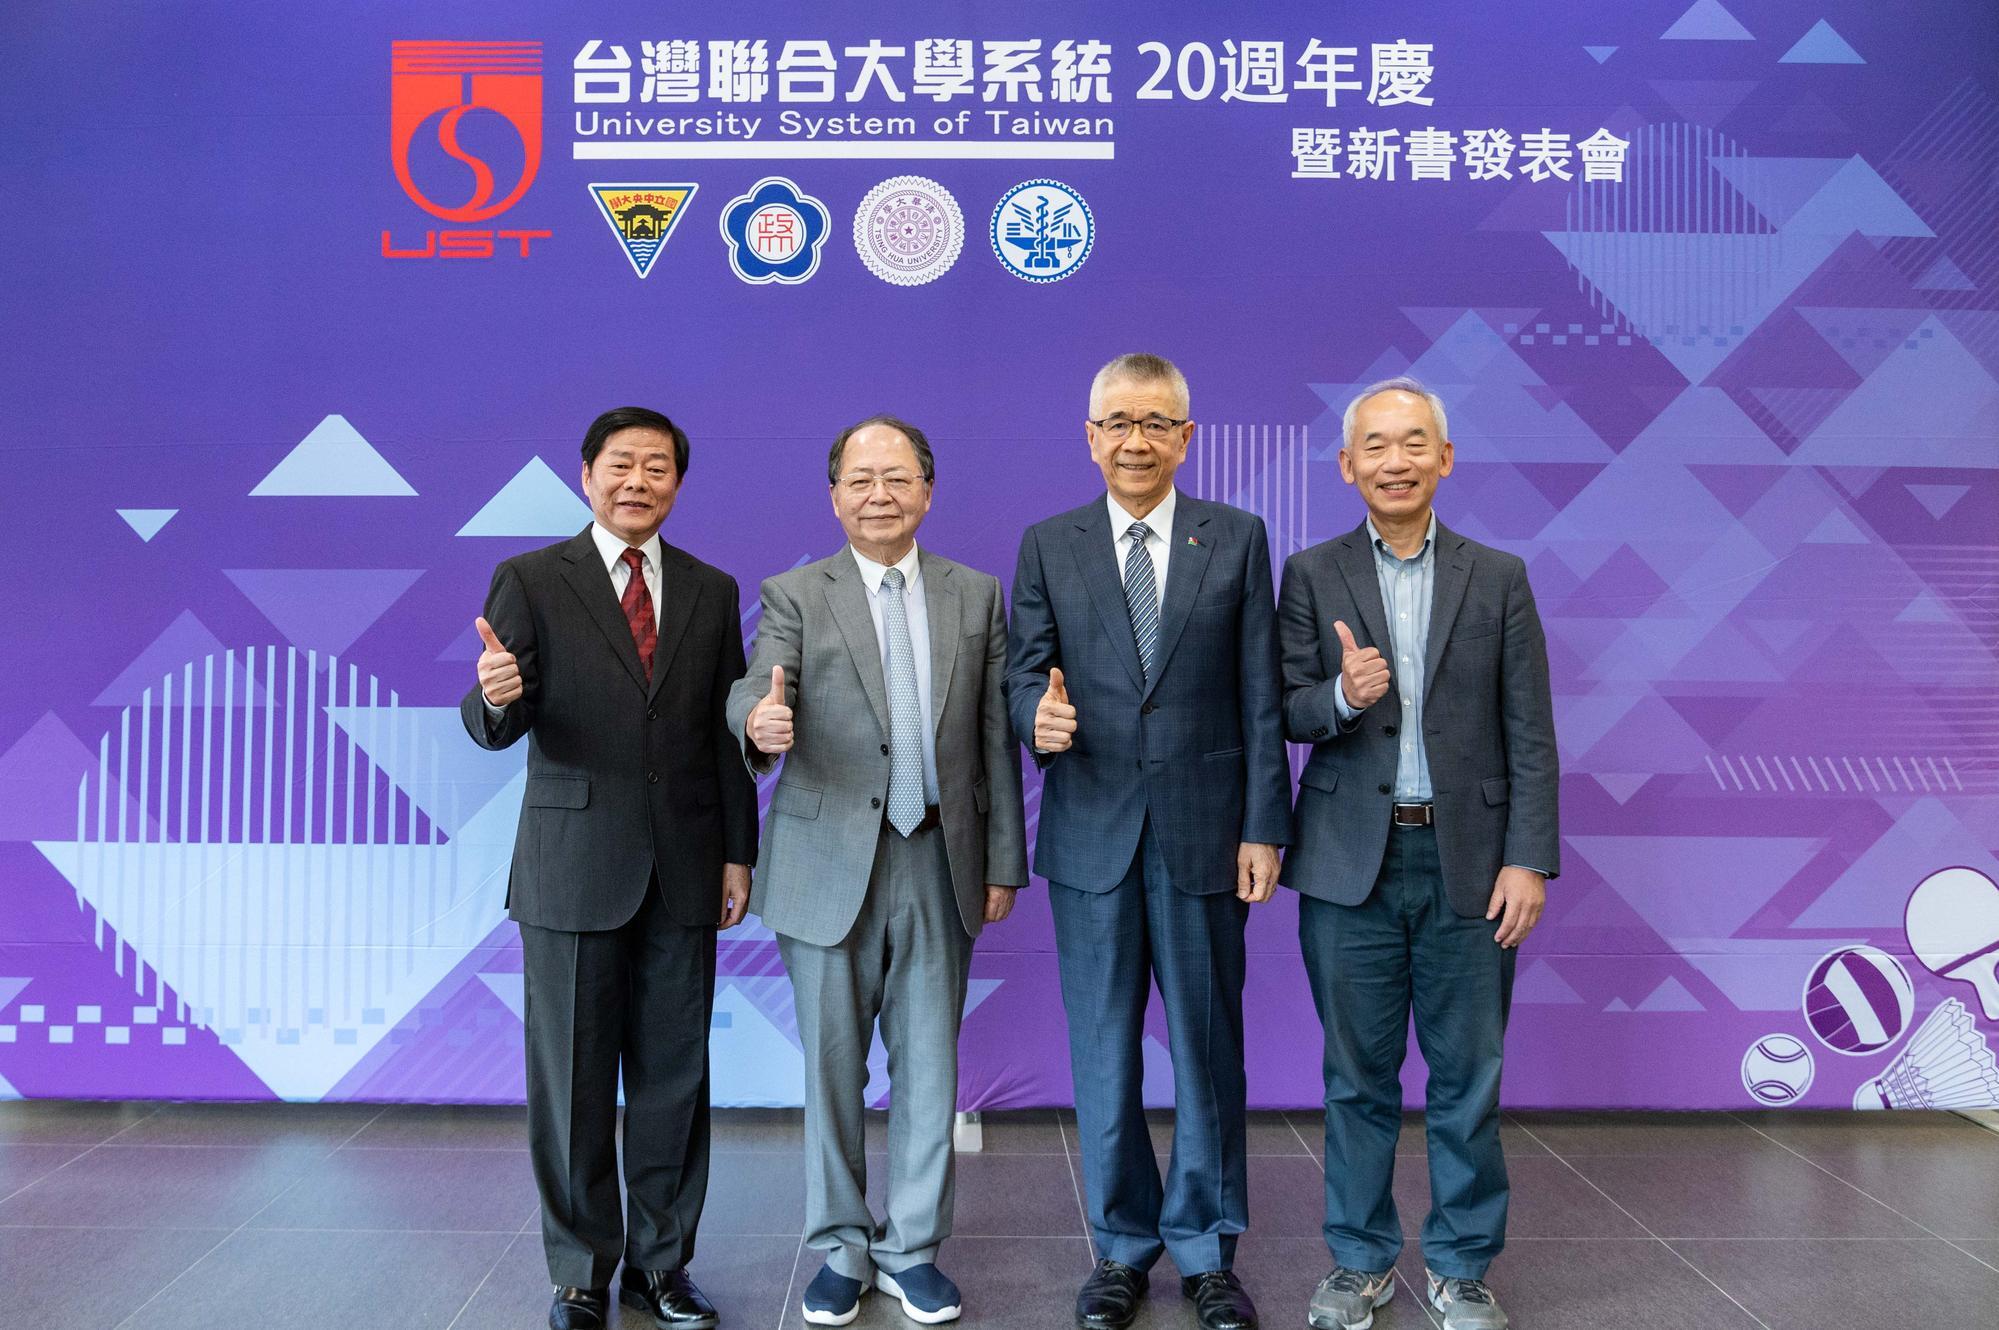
{"x": 905, "y": 712}
{"x": 1141, "y": 597}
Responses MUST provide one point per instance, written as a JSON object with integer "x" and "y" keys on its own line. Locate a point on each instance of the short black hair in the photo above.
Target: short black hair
{"x": 925, "y": 462}
{"x": 634, "y": 417}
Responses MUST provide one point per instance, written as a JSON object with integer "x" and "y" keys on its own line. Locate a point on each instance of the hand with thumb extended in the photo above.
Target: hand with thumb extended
{"x": 499, "y": 672}
{"x": 1363, "y": 670}
{"x": 769, "y": 725}
{"x": 1054, "y": 718}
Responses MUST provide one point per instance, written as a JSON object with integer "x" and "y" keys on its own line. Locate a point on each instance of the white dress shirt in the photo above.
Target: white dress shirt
{"x": 613, "y": 549}
{"x": 917, "y": 612}
{"x": 1158, "y": 540}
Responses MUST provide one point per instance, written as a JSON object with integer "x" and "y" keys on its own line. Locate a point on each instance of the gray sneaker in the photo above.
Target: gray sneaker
{"x": 1346, "y": 1299}
{"x": 1467, "y": 1304}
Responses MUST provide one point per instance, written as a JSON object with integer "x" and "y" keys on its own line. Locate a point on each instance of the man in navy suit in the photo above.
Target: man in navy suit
{"x": 1142, "y": 670}
{"x": 1415, "y": 666}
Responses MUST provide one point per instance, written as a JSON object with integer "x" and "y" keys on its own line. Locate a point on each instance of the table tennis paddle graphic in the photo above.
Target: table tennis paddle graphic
{"x": 1952, "y": 921}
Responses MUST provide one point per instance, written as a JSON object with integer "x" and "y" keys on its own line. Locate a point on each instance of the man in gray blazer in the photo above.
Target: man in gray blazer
{"x": 895, "y": 834}
{"x": 1415, "y": 666}
{"x": 612, "y": 653}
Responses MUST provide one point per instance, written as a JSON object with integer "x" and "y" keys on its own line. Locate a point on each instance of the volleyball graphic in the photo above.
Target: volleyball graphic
{"x": 1858, "y": 1000}
{"x": 1953, "y": 925}
{"x": 1947, "y": 1064}
{"x": 1777, "y": 1069}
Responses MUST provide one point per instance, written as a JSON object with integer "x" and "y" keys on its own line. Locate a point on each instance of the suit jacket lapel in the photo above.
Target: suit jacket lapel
{"x": 1186, "y": 565}
{"x": 1356, "y": 564}
{"x": 940, "y": 602}
{"x": 677, "y": 596}
{"x": 1097, "y": 562}
{"x": 584, "y": 571}
{"x": 847, "y": 597}
{"x": 1447, "y": 593}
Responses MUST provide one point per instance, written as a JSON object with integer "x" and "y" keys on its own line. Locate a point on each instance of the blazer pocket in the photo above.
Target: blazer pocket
{"x": 982, "y": 796}
{"x": 1221, "y": 753}
{"x": 1320, "y": 779}
{"x": 796, "y": 800}
{"x": 558, "y": 792}
{"x": 1497, "y": 790}
{"x": 1483, "y": 628}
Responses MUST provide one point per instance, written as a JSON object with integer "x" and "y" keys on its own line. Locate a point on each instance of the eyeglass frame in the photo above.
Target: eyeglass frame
{"x": 1168, "y": 423}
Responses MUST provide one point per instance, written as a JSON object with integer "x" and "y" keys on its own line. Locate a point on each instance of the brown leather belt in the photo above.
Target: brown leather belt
{"x": 1412, "y": 815}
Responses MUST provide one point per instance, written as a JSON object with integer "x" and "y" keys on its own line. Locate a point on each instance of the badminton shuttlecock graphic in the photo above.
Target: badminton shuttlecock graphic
{"x": 1953, "y": 925}
{"x": 1947, "y": 1064}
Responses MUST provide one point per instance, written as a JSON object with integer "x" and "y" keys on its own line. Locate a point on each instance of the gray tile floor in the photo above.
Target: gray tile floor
{"x": 183, "y": 1215}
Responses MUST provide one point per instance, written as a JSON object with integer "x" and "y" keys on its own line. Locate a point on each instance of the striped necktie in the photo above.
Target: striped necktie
{"x": 1141, "y": 597}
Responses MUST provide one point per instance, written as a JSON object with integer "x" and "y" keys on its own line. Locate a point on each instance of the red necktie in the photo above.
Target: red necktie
{"x": 637, "y": 605}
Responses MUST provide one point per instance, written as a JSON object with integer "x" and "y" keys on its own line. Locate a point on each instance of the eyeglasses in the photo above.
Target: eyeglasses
{"x": 1157, "y": 429}
{"x": 860, "y": 483}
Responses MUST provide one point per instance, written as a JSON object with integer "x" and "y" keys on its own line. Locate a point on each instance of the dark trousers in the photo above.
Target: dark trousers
{"x": 634, "y": 1000}
{"x": 1110, "y": 945}
{"x": 1405, "y": 949}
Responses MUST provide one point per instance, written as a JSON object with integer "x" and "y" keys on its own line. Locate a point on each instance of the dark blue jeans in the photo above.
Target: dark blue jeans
{"x": 1371, "y": 965}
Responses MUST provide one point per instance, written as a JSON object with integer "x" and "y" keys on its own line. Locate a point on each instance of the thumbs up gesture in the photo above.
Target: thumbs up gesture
{"x": 499, "y": 672}
{"x": 769, "y": 725}
{"x": 1363, "y": 672}
{"x": 1054, "y": 718}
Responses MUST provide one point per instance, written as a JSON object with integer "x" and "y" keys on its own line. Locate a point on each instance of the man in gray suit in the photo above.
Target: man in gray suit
{"x": 1415, "y": 666}
{"x": 895, "y": 834}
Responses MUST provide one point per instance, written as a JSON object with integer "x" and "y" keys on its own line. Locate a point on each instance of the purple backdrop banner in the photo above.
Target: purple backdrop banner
{"x": 309, "y": 306}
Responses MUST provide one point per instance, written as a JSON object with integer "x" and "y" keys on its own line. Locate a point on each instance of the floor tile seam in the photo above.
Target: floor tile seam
{"x": 1305, "y": 1144}
{"x": 1075, "y": 1180}
{"x": 1645, "y": 1228}
{"x": 473, "y": 1296}
{"x": 143, "y": 1118}
{"x": 282, "y": 1192}
{"x": 1863, "y": 1191}
{"x": 791, "y": 1282}
{"x": 1419, "y": 1296}
{"x": 81, "y": 1151}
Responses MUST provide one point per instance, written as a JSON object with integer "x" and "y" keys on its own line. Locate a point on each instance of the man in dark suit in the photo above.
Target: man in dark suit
{"x": 1142, "y": 670}
{"x": 895, "y": 835}
{"x": 614, "y": 653}
{"x": 1415, "y": 666}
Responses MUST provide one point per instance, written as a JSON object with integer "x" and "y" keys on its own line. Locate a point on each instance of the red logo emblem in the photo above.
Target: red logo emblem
{"x": 440, "y": 83}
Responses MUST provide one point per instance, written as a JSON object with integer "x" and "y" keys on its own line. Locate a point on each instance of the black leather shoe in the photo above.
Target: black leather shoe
{"x": 580, "y": 1309}
{"x": 1220, "y": 1301}
{"x": 669, "y": 1297}
{"x": 1109, "y": 1297}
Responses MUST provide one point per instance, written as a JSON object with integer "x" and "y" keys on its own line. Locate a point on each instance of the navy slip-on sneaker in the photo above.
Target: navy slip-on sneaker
{"x": 928, "y": 1298}
{"x": 832, "y": 1298}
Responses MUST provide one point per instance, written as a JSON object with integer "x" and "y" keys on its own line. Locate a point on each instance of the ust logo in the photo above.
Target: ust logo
{"x": 465, "y": 139}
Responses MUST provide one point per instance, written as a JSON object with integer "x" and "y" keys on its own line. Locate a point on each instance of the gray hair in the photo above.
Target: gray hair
{"x": 1401, "y": 383}
{"x": 926, "y": 462}
{"x": 1139, "y": 367}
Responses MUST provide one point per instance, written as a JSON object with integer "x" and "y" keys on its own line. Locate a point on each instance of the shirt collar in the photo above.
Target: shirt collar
{"x": 1381, "y": 546}
{"x": 872, "y": 572}
{"x": 612, "y": 548}
{"x": 1159, "y": 521}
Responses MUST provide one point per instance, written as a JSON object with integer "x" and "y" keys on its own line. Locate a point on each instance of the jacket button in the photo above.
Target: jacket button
{"x": 884, "y": 750}
{"x": 874, "y": 803}
{"x": 652, "y": 778}
{"x": 1388, "y": 730}
{"x": 1147, "y": 709}
{"x": 1140, "y": 764}
{"x": 652, "y": 713}
{"x": 1382, "y": 788}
